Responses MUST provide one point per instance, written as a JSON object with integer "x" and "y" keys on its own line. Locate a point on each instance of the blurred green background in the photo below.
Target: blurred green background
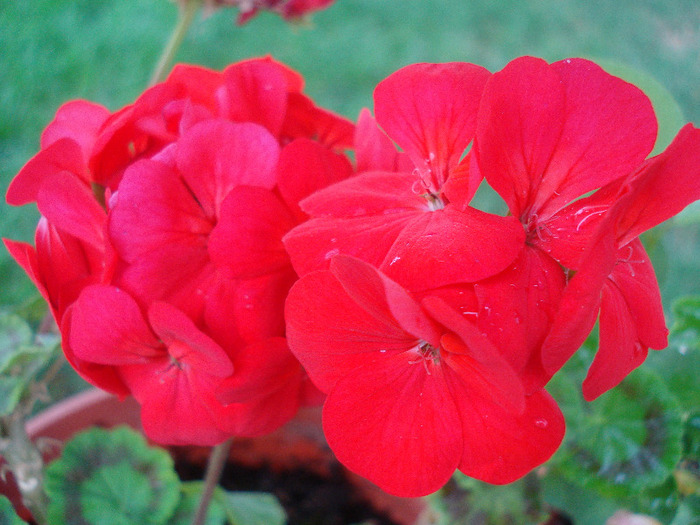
{"x": 55, "y": 50}
{"x": 52, "y": 51}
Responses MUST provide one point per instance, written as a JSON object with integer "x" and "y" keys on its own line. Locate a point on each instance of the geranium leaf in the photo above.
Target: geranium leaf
{"x": 191, "y": 493}
{"x": 628, "y": 441}
{"x": 679, "y": 363}
{"x": 111, "y": 478}
{"x": 20, "y": 360}
{"x": 253, "y": 508}
{"x": 7, "y": 513}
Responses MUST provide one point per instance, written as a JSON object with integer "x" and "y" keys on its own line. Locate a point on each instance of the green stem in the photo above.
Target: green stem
{"x": 217, "y": 460}
{"x": 186, "y": 16}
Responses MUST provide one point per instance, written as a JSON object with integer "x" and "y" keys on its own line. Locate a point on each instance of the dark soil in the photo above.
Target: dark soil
{"x": 307, "y": 497}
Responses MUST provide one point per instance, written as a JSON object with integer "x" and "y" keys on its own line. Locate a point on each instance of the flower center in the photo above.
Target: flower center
{"x": 426, "y": 354}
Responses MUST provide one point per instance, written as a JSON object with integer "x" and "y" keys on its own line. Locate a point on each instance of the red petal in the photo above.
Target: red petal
{"x": 580, "y": 302}
{"x": 106, "y": 377}
{"x": 305, "y": 119}
{"x": 463, "y": 183}
{"x": 609, "y": 129}
{"x": 262, "y": 415}
{"x": 631, "y": 320}
{"x": 372, "y": 193}
{"x": 186, "y": 344}
{"x": 395, "y": 423}
{"x": 634, "y": 275}
{"x": 566, "y": 236}
{"x": 306, "y": 166}
{"x": 502, "y": 446}
{"x": 62, "y": 157}
{"x": 216, "y": 156}
{"x": 331, "y": 334}
{"x": 474, "y": 359}
{"x": 261, "y": 369}
{"x": 25, "y": 256}
{"x": 312, "y": 244}
{"x": 517, "y": 132}
{"x": 247, "y": 240}
{"x": 70, "y": 206}
{"x": 619, "y": 351}
{"x": 108, "y": 328}
{"x": 158, "y": 227}
{"x": 374, "y": 151}
{"x": 430, "y": 111}
{"x": 516, "y": 310}
{"x": 664, "y": 186}
{"x": 77, "y": 120}
{"x": 244, "y": 311}
{"x": 256, "y": 92}
{"x": 383, "y": 298}
{"x": 178, "y": 408}
{"x": 450, "y": 246}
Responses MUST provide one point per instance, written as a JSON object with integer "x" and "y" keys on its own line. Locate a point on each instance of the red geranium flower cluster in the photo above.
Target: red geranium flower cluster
{"x": 431, "y": 326}
{"x": 434, "y": 327}
{"x": 287, "y": 9}
{"x": 159, "y": 248}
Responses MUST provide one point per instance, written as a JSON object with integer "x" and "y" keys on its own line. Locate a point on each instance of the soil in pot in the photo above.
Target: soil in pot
{"x": 308, "y": 497}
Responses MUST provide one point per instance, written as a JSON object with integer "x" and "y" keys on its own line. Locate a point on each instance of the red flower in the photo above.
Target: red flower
{"x": 594, "y": 130}
{"x": 614, "y": 275}
{"x": 414, "y": 390}
{"x": 179, "y": 202}
{"x": 403, "y": 221}
{"x": 288, "y": 9}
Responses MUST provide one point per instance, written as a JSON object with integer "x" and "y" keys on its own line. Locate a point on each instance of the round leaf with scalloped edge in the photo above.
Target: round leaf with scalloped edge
{"x": 111, "y": 477}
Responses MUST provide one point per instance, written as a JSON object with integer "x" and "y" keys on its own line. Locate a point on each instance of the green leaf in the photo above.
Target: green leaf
{"x": 14, "y": 333}
{"x": 111, "y": 478}
{"x": 668, "y": 112}
{"x": 582, "y": 505}
{"x": 678, "y": 364}
{"x": 688, "y": 512}
{"x": 20, "y": 360}
{"x": 253, "y": 508}
{"x": 189, "y": 502}
{"x": 7, "y": 513}
{"x": 625, "y": 442}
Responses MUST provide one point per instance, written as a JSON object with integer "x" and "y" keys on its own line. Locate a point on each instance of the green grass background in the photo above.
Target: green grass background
{"x": 55, "y": 50}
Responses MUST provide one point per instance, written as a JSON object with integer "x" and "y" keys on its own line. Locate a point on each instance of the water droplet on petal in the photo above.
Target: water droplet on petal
{"x": 541, "y": 423}
{"x": 331, "y": 253}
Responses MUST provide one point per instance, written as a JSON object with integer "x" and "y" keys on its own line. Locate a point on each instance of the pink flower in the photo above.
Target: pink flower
{"x": 414, "y": 390}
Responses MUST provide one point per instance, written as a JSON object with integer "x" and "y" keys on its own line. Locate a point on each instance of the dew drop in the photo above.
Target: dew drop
{"x": 397, "y": 258}
{"x": 331, "y": 253}
{"x": 541, "y": 423}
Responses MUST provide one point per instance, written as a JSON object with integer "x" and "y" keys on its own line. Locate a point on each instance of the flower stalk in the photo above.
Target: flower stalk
{"x": 215, "y": 467}
{"x": 25, "y": 461}
{"x": 186, "y": 14}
